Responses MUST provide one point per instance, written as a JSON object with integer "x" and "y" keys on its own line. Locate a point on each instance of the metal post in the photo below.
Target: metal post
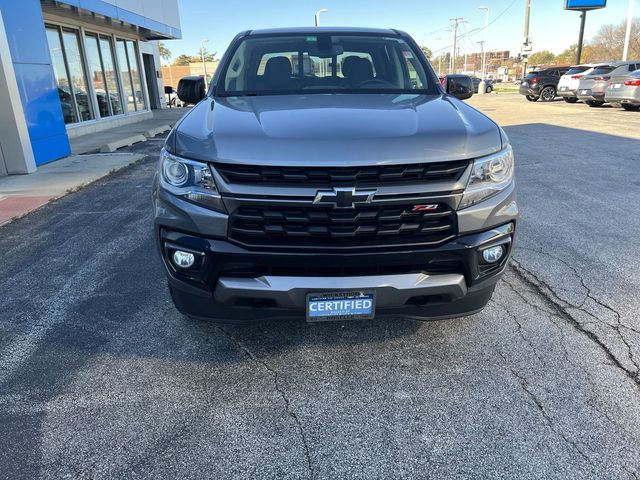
{"x": 452, "y": 61}
{"x": 484, "y": 40}
{"x": 627, "y": 36}
{"x": 317, "y": 16}
{"x": 204, "y": 64}
{"x": 482, "y": 86}
{"x": 583, "y": 17}
{"x": 527, "y": 14}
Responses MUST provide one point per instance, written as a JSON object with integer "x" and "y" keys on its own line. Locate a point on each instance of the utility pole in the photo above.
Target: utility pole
{"x": 484, "y": 40}
{"x": 454, "y": 29}
{"x": 482, "y": 62}
{"x": 527, "y": 42}
{"x": 627, "y": 36}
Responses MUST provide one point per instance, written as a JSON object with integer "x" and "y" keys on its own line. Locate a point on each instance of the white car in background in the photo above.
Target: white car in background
{"x": 568, "y": 84}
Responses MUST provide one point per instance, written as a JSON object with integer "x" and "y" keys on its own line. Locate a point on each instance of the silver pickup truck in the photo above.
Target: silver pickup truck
{"x": 326, "y": 174}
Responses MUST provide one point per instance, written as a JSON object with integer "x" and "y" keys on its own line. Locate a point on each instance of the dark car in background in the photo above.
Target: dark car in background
{"x": 542, "y": 84}
{"x": 592, "y": 87}
{"x": 625, "y": 90}
{"x": 476, "y": 83}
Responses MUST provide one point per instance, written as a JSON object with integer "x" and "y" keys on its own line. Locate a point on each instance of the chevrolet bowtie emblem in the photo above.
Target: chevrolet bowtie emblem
{"x": 344, "y": 197}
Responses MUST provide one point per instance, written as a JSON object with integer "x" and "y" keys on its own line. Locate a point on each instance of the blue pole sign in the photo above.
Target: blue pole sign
{"x": 584, "y": 4}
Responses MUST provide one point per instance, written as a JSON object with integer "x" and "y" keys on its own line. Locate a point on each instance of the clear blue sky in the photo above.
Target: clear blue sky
{"x": 552, "y": 28}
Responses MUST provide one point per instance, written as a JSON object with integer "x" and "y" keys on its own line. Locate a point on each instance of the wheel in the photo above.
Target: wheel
{"x": 570, "y": 99}
{"x": 488, "y": 90}
{"x": 630, "y": 108}
{"x": 532, "y": 98}
{"x": 548, "y": 94}
{"x": 594, "y": 103}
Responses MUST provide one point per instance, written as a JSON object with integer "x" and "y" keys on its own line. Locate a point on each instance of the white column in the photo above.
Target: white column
{"x": 627, "y": 37}
{"x": 16, "y": 155}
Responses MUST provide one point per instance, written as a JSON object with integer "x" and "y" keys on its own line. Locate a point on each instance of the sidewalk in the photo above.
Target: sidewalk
{"x": 20, "y": 194}
{"x": 114, "y": 138}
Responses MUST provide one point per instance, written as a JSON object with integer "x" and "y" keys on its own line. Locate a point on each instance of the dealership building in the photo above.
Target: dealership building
{"x": 73, "y": 67}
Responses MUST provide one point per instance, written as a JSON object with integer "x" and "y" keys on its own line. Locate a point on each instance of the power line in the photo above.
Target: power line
{"x": 477, "y": 30}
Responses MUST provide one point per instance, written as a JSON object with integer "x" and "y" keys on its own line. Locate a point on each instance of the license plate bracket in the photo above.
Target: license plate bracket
{"x": 341, "y": 305}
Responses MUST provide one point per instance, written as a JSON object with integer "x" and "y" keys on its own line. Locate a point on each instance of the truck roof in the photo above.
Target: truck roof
{"x": 314, "y": 30}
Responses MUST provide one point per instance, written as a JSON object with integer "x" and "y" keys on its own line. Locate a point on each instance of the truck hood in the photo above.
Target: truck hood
{"x": 334, "y": 130}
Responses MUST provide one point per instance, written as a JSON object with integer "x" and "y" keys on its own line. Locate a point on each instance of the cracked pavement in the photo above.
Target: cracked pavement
{"x": 100, "y": 377}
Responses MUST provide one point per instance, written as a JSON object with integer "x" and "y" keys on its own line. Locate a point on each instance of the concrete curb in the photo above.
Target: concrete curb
{"x": 124, "y": 142}
{"x": 157, "y": 131}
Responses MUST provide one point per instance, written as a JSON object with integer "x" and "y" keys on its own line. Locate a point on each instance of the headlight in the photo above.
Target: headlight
{"x": 490, "y": 175}
{"x": 190, "y": 180}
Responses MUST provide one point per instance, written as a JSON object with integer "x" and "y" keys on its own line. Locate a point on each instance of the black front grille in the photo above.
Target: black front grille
{"x": 421, "y": 172}
{"x": 321, "y": 226}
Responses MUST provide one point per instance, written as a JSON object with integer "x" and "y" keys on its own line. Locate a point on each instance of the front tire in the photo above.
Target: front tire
{"x": 532, "y": 98}
{"x": 548, "y": 94}
{"x": 570, "y": 99}
{"x": 488, "y": 90}
{"x": 594, "y": 103}
{"x": 630, "y": 108}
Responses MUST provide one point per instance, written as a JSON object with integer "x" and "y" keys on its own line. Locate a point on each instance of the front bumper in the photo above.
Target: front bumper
{"x": 232, "y": 284}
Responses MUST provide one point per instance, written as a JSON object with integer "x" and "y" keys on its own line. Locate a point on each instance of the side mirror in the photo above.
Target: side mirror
{"x": 459, "y": 86}
{"x": 191, "y": 89}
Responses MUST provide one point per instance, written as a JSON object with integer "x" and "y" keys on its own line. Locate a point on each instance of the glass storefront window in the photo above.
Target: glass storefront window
{"x": 97, "y": 75}
{"x": 88, "y": 65}
{"x": 127, "y": 85}
{"x": 110, "y": 75}
{"x": 70, "y": 74}
{"x": 71, "y": 41}
{"x": 103, "y": 74}
{"x": 135, "y": 74}
{"x": 131, "y": 74}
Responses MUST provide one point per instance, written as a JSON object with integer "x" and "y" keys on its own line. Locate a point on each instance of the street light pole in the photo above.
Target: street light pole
{"x": 627, "y": 36}
{"x": 527, "y": 41}
{"x": 454, "y": 29}
{"x": 317, "y": 16}
{"x": 486, "y": 35}
{"x": 204, "y": 64}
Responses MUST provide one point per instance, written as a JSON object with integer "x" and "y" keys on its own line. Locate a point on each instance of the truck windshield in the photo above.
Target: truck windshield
{"x": 324, "y": 63}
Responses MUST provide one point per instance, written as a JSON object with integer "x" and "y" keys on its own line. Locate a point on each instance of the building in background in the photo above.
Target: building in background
{"x": 71, "y": 67}
{"x": 171, "y": 74}
{"x": 495, "y": 59}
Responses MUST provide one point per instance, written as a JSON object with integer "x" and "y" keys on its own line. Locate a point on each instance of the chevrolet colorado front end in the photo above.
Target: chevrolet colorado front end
{"x": 326, "y": 174}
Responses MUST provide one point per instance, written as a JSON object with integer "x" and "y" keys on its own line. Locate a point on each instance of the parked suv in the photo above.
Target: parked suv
{"x": 542, "y": 84}
{"x": 568, "y": 84}
{"x": 592, "y": 87}
{"x": 362, "y": 188}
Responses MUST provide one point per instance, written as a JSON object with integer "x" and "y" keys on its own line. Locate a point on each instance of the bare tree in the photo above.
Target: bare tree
{"x": 609, "y": 41}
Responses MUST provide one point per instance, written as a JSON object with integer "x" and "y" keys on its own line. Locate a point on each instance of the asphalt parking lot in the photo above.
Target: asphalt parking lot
{"x": 100, "y": 377}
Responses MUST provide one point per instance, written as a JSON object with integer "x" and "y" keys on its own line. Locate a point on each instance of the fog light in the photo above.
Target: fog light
{"x": 493, "y": 254}
{"x": 183, "y": 259}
